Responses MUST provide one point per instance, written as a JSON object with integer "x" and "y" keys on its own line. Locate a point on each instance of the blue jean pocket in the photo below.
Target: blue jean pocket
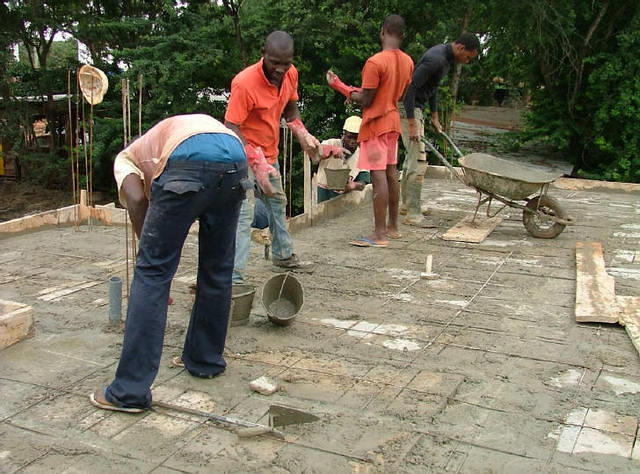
{"x": 182, "y": 186}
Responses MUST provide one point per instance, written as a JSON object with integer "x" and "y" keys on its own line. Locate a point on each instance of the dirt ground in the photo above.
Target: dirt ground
{"x": 23, "y": 199}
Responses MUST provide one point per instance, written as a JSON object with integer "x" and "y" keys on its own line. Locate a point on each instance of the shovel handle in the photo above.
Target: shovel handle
{"x": 443, "y": 160}
{"x": 258, "y": 431}
{"x": 455, "y": 148}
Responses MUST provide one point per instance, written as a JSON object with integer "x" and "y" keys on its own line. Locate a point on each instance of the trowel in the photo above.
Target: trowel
{"x": 279, "y": 415}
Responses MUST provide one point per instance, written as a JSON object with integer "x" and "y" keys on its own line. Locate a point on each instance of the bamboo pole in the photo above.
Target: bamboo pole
{"x": 70, "y": 137}
{"x": 123, "y": 83}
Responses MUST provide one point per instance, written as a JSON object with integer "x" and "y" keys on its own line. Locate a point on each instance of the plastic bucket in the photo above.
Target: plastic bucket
{"x": 241, "y": 302}
{"x": 337, "y": 178}
{"x": 282, "y": 298}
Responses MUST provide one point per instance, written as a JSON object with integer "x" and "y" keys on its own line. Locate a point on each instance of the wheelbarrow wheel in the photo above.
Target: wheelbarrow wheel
{"x": 538, "y": 222}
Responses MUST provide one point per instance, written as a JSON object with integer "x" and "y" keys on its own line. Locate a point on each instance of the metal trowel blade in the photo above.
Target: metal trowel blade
{"x": 280, "y": 415}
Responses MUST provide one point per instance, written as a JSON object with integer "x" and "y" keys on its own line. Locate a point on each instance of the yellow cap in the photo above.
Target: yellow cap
{"x": 352, "y": 124}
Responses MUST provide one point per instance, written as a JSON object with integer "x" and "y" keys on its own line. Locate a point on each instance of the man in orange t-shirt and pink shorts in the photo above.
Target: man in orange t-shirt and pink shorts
{"x": 385, "y": 78}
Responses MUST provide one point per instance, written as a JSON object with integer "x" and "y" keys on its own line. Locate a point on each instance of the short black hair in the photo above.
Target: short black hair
{"x": 394, "y": 25}
{"x": 469, "y": 41}
{"x": 278, "y": 41}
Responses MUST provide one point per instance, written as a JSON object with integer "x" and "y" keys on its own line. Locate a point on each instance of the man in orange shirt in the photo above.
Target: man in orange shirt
{"x": 385, "y": 78}
{"x": 260, "y": 95}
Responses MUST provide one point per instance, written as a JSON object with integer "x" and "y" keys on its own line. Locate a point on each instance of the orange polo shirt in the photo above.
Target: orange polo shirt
{"x": 388, "y": 71}
{"x": 256, "y": 106}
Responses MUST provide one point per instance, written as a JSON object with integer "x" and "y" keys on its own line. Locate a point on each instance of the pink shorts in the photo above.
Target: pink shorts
{"x": 379, "y": 152}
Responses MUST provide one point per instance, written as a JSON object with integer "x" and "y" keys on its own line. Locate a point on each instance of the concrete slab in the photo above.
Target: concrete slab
{"x": 467, "y": 373}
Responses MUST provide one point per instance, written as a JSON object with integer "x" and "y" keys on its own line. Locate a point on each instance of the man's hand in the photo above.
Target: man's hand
{"x": 262, "y": 170}
{"x": 332, "y": 151}
{"x": 414, "y": 135}
{"x": 354, "y": 186}
{"x": 310, "y": 144}
{"x": 351, "y": 186}
{"x": 335, "y": 83}
{"x": 436, "y": 124}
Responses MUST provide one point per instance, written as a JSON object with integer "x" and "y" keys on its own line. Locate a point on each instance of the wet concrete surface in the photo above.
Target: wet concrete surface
{"x": 482, "y": 370}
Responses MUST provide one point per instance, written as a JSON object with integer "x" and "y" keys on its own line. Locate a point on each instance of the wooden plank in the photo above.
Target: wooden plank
{"x": 630, "y": 317}
{"x": 472, "y": 232}
{"x": 595, "y": 289}
{"x": 16, "y": 323}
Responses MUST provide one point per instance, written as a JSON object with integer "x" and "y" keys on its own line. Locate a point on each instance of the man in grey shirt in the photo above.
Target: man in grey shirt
{"x": 433, "y": 66}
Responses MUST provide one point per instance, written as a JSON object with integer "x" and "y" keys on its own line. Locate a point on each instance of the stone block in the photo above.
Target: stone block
{"x": 16, "y": 323}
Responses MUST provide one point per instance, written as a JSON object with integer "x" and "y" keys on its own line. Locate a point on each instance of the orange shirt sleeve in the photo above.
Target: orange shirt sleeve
{"x": 240, "y": 104}
{"x": 370, "y": 75}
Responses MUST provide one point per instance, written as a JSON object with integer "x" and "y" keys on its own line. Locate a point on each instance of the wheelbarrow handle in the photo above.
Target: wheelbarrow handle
{"x": 444, "y": 160}
{"x": 455, "y": 148}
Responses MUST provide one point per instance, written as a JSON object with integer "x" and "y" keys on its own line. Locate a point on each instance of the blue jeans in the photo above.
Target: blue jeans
{"x": 185, "y": 191}
{"x": 281, "y": 242}
{"x": 243, "y": 238}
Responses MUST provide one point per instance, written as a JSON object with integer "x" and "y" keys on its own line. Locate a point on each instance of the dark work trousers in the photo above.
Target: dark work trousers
{"x": 187, "y": 190}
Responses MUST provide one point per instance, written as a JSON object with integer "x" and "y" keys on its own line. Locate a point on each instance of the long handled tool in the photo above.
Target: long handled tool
{"x": 244, "y": 429}
{"x": 279, "y": 415}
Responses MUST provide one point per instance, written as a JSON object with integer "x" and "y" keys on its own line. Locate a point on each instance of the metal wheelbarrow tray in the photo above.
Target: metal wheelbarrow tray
{"x": 507, "y": 182}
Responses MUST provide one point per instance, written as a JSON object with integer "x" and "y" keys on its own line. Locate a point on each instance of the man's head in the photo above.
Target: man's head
{"x": 392, "y": 29}
{"x": 350, "y": 131}
{"x": 277, "y": 55}
{"x": 465, "y": 48}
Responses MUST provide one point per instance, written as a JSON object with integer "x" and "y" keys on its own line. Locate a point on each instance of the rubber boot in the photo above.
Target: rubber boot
{"x": 403, "y": 191}
{"x": 414, "y": 190}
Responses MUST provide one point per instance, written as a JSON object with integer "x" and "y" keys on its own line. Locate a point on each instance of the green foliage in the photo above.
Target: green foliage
{"x": 578, "y": 57}
{"x": 51, "y": 170}
{"x": 613, "y": 93}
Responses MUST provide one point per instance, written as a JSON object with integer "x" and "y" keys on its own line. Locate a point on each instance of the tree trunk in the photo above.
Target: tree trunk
{"x": 457, "y": 72}
{"x": 233, "y": 9}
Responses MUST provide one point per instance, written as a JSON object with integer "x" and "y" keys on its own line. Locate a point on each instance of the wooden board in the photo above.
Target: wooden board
{"x": 630, "y": 317}
{"x": 476, "y": 232}
{"x": 16, "y": 323}
{"x": 595, "y": 289}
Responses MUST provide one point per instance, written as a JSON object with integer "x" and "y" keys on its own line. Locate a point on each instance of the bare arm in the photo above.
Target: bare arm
{"x": 137, "y": 202}
{"x": 291, "y": 111}
{"x": 235, "y": 129}
{"x": 364, "y": 98}
{"x": 310, "y": 145}
{"x": 256, "y": 160}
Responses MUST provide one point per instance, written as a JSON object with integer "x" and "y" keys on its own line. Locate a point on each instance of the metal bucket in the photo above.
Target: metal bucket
{"x": 282, "y": 298}
{"x": 337, "y": 179}
{"x": 241, "y": 302}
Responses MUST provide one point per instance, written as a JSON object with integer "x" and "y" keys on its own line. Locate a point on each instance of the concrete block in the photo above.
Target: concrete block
{"x": 16, "y": 323}
{"x": 264, "y": 385}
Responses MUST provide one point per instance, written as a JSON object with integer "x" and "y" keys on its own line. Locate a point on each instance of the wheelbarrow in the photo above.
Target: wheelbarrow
{"x": 508, "y": 182}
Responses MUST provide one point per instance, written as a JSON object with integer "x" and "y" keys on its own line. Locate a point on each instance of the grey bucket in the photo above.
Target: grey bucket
{"x": 241, "y": 302}
{"x": 337, "y": 178}
{"x": 282, "y": 298}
